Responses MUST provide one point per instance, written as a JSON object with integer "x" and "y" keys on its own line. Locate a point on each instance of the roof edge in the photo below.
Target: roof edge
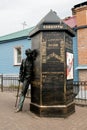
{"x": 19, "y": 38}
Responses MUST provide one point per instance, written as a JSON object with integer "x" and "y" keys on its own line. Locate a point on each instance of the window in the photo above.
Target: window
{"x": 17, "y": 55}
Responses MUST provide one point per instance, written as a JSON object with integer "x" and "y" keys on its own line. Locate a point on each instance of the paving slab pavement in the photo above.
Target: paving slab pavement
{"x": 25, "y": 120}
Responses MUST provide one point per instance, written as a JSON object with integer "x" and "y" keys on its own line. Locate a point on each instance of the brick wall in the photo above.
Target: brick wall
{"x": 82, "y": 46}
{"x": 82, "y": 75}
{"x": 81, "y": 16}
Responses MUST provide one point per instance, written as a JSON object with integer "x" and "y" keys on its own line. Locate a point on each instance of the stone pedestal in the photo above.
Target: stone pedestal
{"x": 52, "y": 88}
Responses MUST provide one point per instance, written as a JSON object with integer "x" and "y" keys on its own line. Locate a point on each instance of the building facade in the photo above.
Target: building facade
{"x": 12, "y": 51}
{"x": 80, "y": 12}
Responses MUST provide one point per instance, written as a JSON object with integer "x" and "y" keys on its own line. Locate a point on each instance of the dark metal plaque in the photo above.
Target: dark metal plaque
{"x": 53, "y": 52}
{"x": 68, "y": 42}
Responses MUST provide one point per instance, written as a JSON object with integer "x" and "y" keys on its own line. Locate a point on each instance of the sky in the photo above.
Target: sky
{"x": 14, "y": 13}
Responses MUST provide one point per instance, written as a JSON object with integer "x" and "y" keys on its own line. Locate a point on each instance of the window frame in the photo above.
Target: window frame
{"x": 15, "y": 55}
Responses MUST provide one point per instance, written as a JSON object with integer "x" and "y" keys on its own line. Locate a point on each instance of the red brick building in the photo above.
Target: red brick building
{"x": 78, "y": 21}
{"x": 80, "y": 12}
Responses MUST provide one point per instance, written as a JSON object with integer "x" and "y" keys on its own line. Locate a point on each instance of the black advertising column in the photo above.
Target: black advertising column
{"x": 52, "y": 88}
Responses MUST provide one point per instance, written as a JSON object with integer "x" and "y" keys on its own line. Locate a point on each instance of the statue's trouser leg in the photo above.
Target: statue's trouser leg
{"x": 23, "y": 94}
{"x": 21, "y": 101}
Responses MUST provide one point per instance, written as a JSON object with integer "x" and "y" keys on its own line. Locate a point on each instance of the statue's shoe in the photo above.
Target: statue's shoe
{"x": 18, "y": 110}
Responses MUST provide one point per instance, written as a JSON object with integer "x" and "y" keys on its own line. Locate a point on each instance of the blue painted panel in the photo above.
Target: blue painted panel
{"x": 75, "y": 51}
{"x": 7, "y": 55}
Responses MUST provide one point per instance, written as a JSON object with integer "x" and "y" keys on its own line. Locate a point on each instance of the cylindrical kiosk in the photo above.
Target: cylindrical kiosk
{"x": 52, "y": 88}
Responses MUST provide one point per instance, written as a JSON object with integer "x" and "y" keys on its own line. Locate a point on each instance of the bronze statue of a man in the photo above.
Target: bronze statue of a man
{"x": 26, "y": 75}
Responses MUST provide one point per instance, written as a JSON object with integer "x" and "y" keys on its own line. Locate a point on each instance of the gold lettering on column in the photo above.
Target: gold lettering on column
{"x": 43, "y": 52}
{"x": 53, "y": 54}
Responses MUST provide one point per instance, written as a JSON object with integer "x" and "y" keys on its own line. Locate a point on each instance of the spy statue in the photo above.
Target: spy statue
{"x": 26, "y": 75}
